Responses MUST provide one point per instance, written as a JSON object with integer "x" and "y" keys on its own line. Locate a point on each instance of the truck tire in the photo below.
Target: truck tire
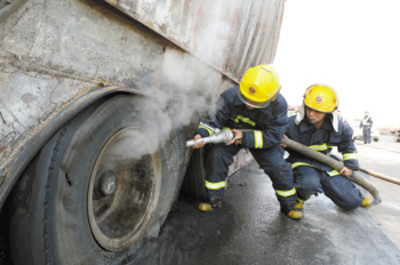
{"x": 193, "y": 184}
{"x": 98, "y": 190}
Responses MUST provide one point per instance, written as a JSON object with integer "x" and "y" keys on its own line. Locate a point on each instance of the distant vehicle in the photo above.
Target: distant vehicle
{"x": 395, "y": 132}
{"x": 292, "y": 110}
{"x": 358, "y": 134}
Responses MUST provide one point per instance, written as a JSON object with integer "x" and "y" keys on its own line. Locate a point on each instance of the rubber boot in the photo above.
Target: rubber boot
{"x": 292, "y": 213}
{"x": 366, "y": 202}
{"x": 295, "y": 214}
{"x": 299, "y": 204}
{"x": 207, "y": 207}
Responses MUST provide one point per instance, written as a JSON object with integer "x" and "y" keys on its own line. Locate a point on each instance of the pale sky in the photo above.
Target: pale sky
{"x": 351, "y": 45}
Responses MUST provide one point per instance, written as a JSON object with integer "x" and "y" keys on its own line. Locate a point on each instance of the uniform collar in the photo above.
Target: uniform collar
{"x": 237, "y": 101}
{"x": 305, "y": 125}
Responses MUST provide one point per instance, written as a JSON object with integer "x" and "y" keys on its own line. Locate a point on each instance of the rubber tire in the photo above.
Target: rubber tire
{"x": 49, "y": 222}
{"x": 193, "y": 185}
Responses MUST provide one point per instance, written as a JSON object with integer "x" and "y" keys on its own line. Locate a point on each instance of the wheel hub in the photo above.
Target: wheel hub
{"x": 108, "y": 184}
{"x": 123, "y": 189}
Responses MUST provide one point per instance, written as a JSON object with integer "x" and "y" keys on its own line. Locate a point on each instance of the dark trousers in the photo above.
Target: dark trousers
{"x": 339, "y": 189}
{"x": 218, "y": 158}
{"x": 367, "y": 134}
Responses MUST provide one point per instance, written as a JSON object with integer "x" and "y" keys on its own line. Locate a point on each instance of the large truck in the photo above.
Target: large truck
{"x": 97, "y": 101}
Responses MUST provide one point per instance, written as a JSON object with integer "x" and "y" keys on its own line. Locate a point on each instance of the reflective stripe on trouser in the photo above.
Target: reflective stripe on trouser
{"x": 219, "y": 157}
{"x": 286, "y": 193}
{"x": 339, "y": 189}
{"x": 215, "y": 185}
{"x": 280, "y": 172}
{"x": 331, "y": 173}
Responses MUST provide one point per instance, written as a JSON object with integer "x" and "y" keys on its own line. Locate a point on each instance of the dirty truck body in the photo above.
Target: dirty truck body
{"x": 97, "y": 100}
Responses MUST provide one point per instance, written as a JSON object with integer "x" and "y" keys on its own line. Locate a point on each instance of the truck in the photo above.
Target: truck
{"x": 98, "y": 98}
{"x": 395, "y": 133}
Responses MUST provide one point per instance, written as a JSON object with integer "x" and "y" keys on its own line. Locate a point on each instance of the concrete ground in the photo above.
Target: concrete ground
{"x": 250, "y": 229}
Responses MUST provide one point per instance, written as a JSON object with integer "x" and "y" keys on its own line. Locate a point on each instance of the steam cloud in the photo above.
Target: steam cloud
{"x": 188, "y": 88}
{"x": 187, "y": 91}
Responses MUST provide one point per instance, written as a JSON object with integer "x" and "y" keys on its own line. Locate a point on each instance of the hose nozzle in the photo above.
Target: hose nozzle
{"x": 221, "y": 136}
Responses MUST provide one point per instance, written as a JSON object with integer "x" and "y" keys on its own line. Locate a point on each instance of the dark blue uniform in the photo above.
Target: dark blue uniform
{"x": 311, "y": 176}
{"x": 366, "y": 125}
{"x": 263, "y": 130}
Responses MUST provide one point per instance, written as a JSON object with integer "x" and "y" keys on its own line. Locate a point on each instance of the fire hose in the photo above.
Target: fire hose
{"x": 225, "y": 135}
{"x": 381, "y": 176}
{"x": 336, "y": 164}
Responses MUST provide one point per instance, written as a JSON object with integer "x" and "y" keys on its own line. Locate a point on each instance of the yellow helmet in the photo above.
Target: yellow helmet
{"x": 259, "y": 86}
{"x": 321, "y": 98}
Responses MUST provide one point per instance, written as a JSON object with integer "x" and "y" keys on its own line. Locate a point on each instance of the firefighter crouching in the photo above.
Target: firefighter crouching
{"x": 256, "y": 113}
{"x": 316, "y": 127}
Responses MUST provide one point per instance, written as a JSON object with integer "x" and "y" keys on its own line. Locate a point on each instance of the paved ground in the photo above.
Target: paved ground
{"x": 250, "y": 229}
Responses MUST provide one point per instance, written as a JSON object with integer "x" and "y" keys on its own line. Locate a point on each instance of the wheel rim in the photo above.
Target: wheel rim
{"x": 124, "y": 189}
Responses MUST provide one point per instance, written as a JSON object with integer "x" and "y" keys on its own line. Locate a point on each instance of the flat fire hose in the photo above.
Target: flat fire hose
{"x": 381, "y": 176}
{"x": 338, "y": 165}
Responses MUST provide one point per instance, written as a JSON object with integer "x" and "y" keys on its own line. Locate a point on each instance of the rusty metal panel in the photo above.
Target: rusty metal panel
{"x": 230, "y": 35}
{"x": 53, "y": 63}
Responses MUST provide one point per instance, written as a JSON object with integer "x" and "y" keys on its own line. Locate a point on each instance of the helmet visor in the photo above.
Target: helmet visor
{"x": 255, "y": 104}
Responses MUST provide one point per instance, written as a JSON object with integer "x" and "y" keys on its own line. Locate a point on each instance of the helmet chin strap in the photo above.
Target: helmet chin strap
{"x": 316, "y": 122}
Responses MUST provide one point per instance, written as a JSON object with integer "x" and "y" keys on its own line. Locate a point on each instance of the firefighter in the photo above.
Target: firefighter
{"x": 317, "y": 127}
{"x": 366, "y": 125}
{"x": 256, "y": 113}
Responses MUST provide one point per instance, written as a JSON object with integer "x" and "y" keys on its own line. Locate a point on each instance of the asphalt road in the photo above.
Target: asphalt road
{"x": 249, "y": 228}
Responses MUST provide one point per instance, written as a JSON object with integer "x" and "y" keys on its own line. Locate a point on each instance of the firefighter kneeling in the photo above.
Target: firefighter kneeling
{"x": 315, "y": 126}
{"x": 256, "y": 113}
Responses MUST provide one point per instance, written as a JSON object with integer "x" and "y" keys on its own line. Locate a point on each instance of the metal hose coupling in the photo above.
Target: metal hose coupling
{"x": 220, "y": 136}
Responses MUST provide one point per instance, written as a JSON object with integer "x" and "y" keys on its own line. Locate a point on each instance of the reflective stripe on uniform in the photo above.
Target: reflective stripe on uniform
{"x": 244, "y": 119}
{"x": 297, "y": 164}
{"x": 366, "y": 121}
{"x": 215, "y": 185}
{"x": 210, "y": 132}
{"x": 321, "y": 147}
{"x": 300, "y": 200}
{"x": 350, "y": 156}
{"x": 258, "y": 139}
{"x": 331, "y": 173}
{"x": 286, "y": 193}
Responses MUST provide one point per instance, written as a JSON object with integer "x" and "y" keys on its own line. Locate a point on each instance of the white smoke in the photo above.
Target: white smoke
{"x": 189, "y": 82}
{"x": 187, "y": 91}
